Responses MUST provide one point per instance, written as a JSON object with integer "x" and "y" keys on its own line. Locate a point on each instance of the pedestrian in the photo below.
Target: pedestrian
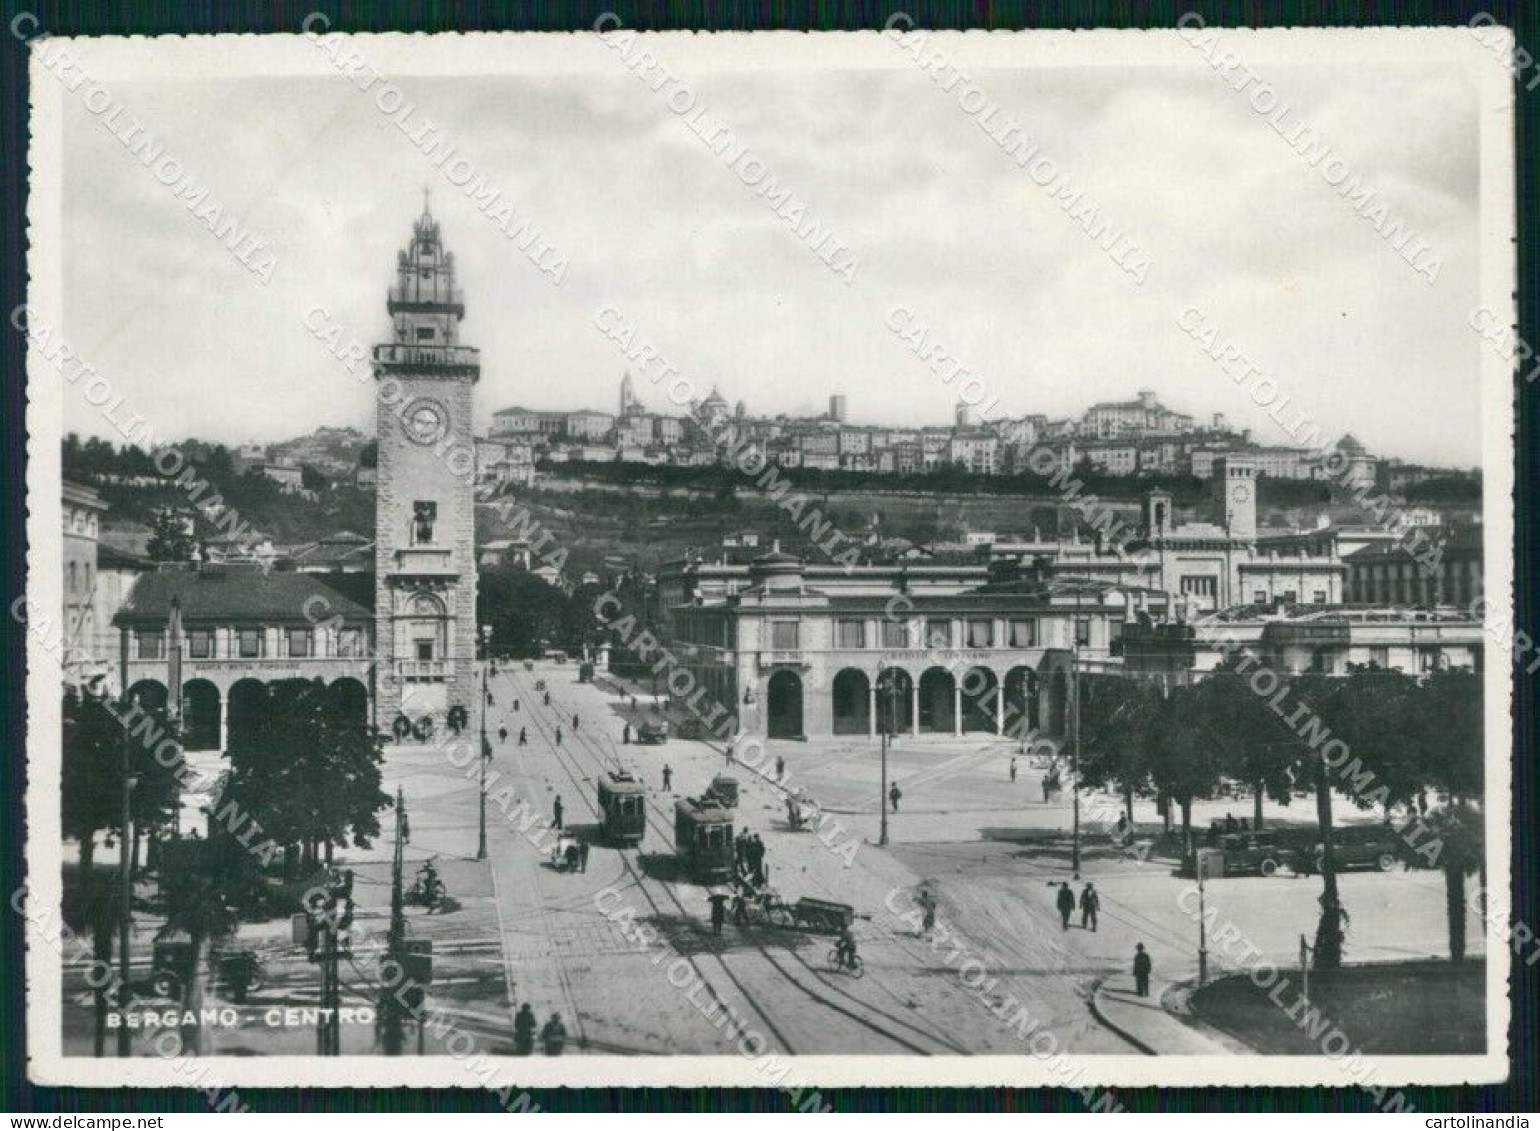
{"x": 927, "y": 903}
{"x": 1013, "y": 767}
{"x": 576, "y": 722}
{"x": 1245, "y": 824}
{"x": 554, "y": 1035}
{"x": 625, "y": 735}
{"x": 502, "y": 735}
{"x": 556, "y": 808}
{"x": 547, "y": 698}
{"x": 523, "y": 737}
{"x": 894, "y": 794}
{"x": 718, "y": 912}
{"x": 740, "y": 908}
{"x": 1090, "y": 904}
{"x": 1066, "y": 902}
{"x": 583, "y": 857}
{"x": 1122, "y": 827}
{"x": 515, "y": 704}
{"x": 668, "y": 778}
{"x": 1230, "y": 825}
{"x": 780, "y": 768}
{"x": 524, "y": 1031}
{"x": 489, "y": 699}
{"x": 558, "y": 736}
{"x": 1142, "y": 969}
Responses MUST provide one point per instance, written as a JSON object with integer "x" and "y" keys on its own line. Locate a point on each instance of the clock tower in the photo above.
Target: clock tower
{"x": 425, "y": 564}
{"x": 1235, "y": 488}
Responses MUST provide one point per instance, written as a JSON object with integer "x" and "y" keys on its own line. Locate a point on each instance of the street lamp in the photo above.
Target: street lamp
{"x": 887, "y": 682}
{"x": 486, "y": 748}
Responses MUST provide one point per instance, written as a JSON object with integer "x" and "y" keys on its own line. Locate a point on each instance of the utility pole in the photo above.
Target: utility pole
{"x": 486, "y": 749}
{"x": 125, "y": 863}
{"x": 1074, "y": 749}
{"x": 882, "y": 789}
{"x": 390, "y": 1006}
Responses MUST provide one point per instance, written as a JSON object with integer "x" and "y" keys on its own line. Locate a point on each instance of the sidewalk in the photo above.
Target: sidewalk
{"x": 1155, "y": 1023}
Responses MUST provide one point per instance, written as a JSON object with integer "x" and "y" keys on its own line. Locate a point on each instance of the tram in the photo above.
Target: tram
{"x": 703, "y": 838}
{"x": 622, "y": 808}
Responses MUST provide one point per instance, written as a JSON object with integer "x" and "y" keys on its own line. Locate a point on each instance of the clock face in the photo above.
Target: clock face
{"x": 425, "y": 421}
{"x": 1240, "y": 492}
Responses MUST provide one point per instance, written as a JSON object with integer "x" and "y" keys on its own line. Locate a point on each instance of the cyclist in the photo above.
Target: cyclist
{"x": 845, "y": 949}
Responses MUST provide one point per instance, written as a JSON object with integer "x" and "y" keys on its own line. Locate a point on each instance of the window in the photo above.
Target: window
{"x": 1290, "y": 596}
{"x": 1319, "y": 597}
{"x": 1082, "y": 631}
{"x": 350, "y": 643}
{"x": 425, "y": 649}
{"x": 1259, "y": 597}
{"x": 895, "y": 634}
{"x": 299, "y": 642}
{"x": 1379, "y": 657}
{"x": 1023, "y": 634}
{"x": 151, "y": 645}
{"x": 424, "y": 515}
{"x": 1428, "y": 660}
{"x": 249, "y": 643}
{"x": 72, "y": 586}
{"x": 425, "y": 333}
{"x": 783, "y": 635}
{"x": 1200, "y": 586}
{"x": 852, "y": 634}
{"x": 938, "y": 633}
{"x": 200, "y": 643}
{"x": 981, "y": 634}
{"x": 86, "y": 568}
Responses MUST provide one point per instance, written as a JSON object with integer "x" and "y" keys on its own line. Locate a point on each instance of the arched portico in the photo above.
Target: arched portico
{"x": 938, "y": 702}
{"x": 852, "y": 702}
{"x": 783, "y": 707}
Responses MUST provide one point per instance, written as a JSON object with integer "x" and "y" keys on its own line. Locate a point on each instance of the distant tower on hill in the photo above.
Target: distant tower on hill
{"x": 628, "y": 402}
{"x": 966, "y": 417}
{"x": 839, "y": 407}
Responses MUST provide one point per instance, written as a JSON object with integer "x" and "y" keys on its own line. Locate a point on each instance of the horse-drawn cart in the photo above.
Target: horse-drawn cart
{"x": 822, "y": 915}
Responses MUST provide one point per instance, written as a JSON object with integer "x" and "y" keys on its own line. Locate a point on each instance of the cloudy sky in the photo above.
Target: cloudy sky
{"x": 942, "y": 222}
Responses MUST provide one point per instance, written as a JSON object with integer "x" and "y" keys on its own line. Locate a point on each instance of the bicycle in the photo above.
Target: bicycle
{"x": 853, "y": 965}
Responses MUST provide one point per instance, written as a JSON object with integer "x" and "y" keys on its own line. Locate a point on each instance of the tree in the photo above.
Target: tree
{"x": 309, "y": 776}
{"x": 1116, "y": 718}
{"x": 369, "y": 454}
{"x": 91, "y": 773}
{"x": 172, "y": 540}
{"x": 1371, "y": 710}
{"x": 1448, "y": 727}
{"x": 1458, "y": 827}
{"x": 312, "y": 478}
{"x": 1183, "y": 763}
{"x": 202, "y": 883}
{"x": 1251, "y": 740}
{"x": 1314, "y": 700}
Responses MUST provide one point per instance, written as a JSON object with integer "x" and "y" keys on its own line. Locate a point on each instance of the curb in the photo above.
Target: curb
{"x": 1096, "y": 1012}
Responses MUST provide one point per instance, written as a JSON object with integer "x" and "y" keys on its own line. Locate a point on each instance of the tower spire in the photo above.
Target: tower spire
{"x": 425, "y": 209}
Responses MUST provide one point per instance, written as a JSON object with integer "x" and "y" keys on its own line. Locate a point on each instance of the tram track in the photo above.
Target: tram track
{"x": 897, "y": 1030}
{"x": 572, "y": 769}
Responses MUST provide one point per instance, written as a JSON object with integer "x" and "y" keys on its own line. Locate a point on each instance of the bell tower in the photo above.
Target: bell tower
{"x": 1235, "y": 490}
{"x": 425, "y": 565}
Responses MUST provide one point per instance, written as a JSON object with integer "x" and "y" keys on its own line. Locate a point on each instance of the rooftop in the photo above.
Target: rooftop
{"x": 234, "y": 593}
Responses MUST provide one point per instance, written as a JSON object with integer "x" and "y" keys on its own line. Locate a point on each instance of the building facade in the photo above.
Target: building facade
{"x": 242, "y": 629}
{"x": 425, "y": 567}
{"x": 83, "y": 510}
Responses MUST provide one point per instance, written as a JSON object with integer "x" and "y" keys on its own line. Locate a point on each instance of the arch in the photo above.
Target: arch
{"x": 937, "y": 701}
{"x": 783, "y": 714}
{"x": 350, "y": 700}
{"x": 245, "y": 713}
{"x": 1022, "y": 708}
{"x": 201, "y": 715}
{"x": 980, "y": 694}
{"x": 895, "y": 701}
{"x": 150, "y": 694}
{"x": 852, "y": 703}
